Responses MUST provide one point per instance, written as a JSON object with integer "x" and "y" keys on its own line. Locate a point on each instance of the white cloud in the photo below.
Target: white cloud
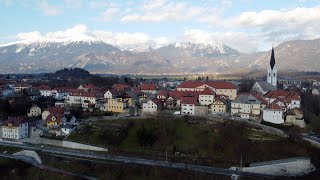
{"x": 159, "y": 10}
{"x": 80, "y": 32}
{"x": 48, "y": 9}
{"x": 108, "y": 14}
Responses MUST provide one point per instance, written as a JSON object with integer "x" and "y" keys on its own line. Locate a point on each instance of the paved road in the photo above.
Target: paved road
{"x": 138, "y": 161}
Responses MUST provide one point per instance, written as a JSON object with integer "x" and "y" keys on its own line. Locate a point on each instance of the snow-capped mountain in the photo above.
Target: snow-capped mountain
{"x": 179, "y": 57}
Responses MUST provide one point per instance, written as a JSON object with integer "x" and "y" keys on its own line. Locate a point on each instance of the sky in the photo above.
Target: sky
{"x": 245, "y": 25}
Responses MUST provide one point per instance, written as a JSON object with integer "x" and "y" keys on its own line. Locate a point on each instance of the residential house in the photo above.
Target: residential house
{"x": 46, "y": 91}
{"x": 273, "y": 113}
{"x": 220, "y": 88}
{"x": 121, "y": 87}
{"x": 82, "y": 98}
{"x": 150, "y": 88}
{"x": 206, "y": 97}
{"x": 20, "y": 87}
{"x": 188, "y": 105}
{"x": 51, "y": 110}
{"x": 32, "y": 93}
{"x": 15, "y": 128}
{"x": 7, "y": 91}
{"x": 61, "y": 93}
{"x": 111, "y": 93}
{"x": 88, "y": 87}
{"x": 34, "y": 111}
{"x": 151, "y": 106}
{"x": 295, "y": 117}
{"x": 163, "y": 95}
{"x": 263, "y": 87}
{"x": 315, "y": 91}
{"x": 69, "y": 119}
{"x": 66, "y": 129}
{"x": 219, "y": 105}
{"x": 291, "y": 99}
{"x": 247, "y": 106}
{"x": 116, "y": 105}
{"x": 316, "y": 84}
{"x": 53, "y": 120}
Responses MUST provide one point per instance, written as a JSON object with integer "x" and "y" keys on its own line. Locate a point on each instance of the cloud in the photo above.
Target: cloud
{"x": 161, "y": 10}
{"x": 48, "y": 9}
{"x": 81, "y": 32}
{"x": 108, "y": 14}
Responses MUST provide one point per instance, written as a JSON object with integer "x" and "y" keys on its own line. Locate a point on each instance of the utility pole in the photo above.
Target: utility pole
{"x": 241, "y": 163}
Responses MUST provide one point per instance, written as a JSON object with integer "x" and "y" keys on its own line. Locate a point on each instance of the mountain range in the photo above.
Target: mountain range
{"x": 175, "y": 58}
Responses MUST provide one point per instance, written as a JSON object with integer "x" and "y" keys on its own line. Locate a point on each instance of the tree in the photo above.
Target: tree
{"x": 146, "y": 137}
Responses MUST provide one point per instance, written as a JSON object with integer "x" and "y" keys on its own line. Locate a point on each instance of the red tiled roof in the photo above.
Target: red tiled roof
{"x": 120, "y": 87}
{"x": 15, "y": 121}
{"x": 260, "y": 98}
{"x": 222, "y": 85}
{"x": 273, "y": 106}
{"x": 180, "y": 94}
{"x": 44, "y": 87}
{"x": 157, "y": 101}
{"x": 55, "y": 110}
{"x": 190, "y": 84}
{"x": 64, "y": 89}
{"x": 165, "y": 93}
{"x": 189, "y": 100}
{"x": 149, "y": 87}
{"x": 207, "y": 91}
{"x": 57, "y": 116}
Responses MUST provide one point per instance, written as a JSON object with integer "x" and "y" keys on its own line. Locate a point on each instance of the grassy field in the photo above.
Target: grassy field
{"x": 220, "y": 144}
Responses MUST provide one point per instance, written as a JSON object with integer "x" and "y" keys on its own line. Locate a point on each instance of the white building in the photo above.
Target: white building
{"x": 83, "y": 99}
{"x": 151, "y": 106}
{"x": 46, "y": 91}
{"x": 188, "y": 105}
{"x": 273, "y": 113}
{"x": 15, "y": 128}
{"x": 272, "y": 70}
{"x": 34, "y": 111}
{"x": 315, "y": 91}
{"x": 206, "y": 97}
{"x": 290, "y": 99}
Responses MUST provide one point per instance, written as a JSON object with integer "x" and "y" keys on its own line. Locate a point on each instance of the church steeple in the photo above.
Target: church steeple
{"x": 272, "y": 59}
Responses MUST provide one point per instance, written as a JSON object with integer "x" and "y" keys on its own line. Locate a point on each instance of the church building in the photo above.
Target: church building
{"x": 272, "y": 70}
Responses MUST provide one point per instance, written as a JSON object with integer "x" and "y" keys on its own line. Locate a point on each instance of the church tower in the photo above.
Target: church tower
{"x": 272, "y": 70}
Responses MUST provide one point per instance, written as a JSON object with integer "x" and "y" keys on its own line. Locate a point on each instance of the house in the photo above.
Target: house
{"x": 291, "y": 99}
{"x": 15, "y": 128}
{"x": 295, "y": 117}
{"x": 34, "y": 111}
{"x": 316, "y": 84}
{"x": 116, "y": 105}
{"x": 206, "y": 97}
{"x": 32, "y": 93}
{"x": 7, "y": 91}
{"x": 163, "y": 95}
{"x": 66, "y": 129}
{"x": 273, "y": 113}
{"x": 88, "y": 87}
{"x": 20, "y": 87}
{"x": 51, "y": 110}
{"x": 46, "y": 91}
{"x": 121, "y": 87}
{"x": 315, "y": 91}
{"x": 151, "y": 106}
{"x": 61, "y": 93}
{"x": 219, "y": 105}
{"x": 263, "y": 88}
{"x": 69, "y": 119}
{"x": 188, "y": 105}
{"x": 150, "y": 88}
{"x": 247, "y": 106}
{"x": 178, "y": 95}
{"x": 81, "y": 98}
{"x": 220, "y": 88}
{"x": 111, "y": 93}
{"x": 53, "y": 120}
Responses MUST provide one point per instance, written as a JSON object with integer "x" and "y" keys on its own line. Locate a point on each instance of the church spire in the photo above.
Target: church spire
{"x": 272, "y": 59}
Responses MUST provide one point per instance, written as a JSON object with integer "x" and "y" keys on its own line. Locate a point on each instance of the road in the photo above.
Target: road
{"x": 139, "y": 161}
